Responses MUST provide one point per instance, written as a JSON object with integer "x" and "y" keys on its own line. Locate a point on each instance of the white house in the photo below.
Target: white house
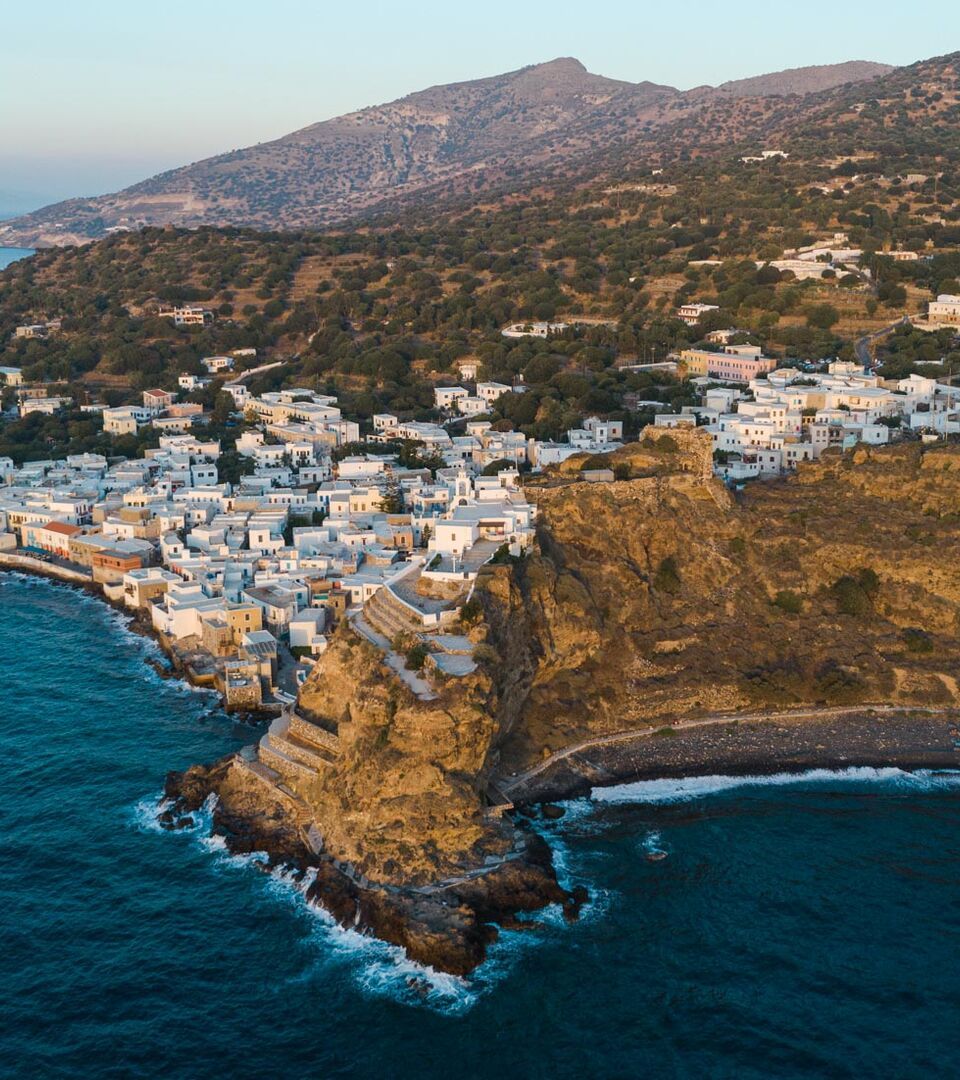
{"x": 125, "y": 420}
{"x": 306, "y": 629}
{"x": 691, "y": 314}
{"x": 945, "y": 310}
{"x": 489, "y": 392}
{"x": 470, "y": 405}
{"x": 186, "y": 315}
{"x": 215, "y": 364}
{"x": 445, "y": 397}
{"x": 192, "y": 382}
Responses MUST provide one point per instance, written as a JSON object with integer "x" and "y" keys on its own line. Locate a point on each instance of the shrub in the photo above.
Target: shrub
{"x": 835, "y": 683}
{"x": 471, "y": 612}
{"x": 851, "y": 597}
{"x": 667, "y": 577}
{"x": 666, "y": 444}
{"x": 486, "y": 654}
{"x": 822, "y": 316}
{"x": 738, "y": 546}
{"x": 416, "y": 657}
{"x": 868, "y": 581}
{"x": 917, "y": 640}
{"x": 496, "y": 466}
{"x": 788, "y": 601}
{"x": 501, "y": 555}
{"x": 622, "y": 471}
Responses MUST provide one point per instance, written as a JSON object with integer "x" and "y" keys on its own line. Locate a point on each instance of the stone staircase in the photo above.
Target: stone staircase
{"x": 297, "y": 750}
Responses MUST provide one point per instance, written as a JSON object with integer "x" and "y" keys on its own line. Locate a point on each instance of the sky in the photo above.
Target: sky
{"x": 97, "y": 94}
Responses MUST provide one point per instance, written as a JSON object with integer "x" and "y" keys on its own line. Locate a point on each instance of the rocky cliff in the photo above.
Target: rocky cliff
{"x": 649, "y": 600}
{"x": 662, "y": 597}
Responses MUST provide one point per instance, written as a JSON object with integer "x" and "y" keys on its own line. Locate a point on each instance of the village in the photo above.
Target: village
{"x": 243, "y": 582}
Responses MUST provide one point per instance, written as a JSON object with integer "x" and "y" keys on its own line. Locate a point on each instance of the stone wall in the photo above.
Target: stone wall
{"x": 9, "y": 561}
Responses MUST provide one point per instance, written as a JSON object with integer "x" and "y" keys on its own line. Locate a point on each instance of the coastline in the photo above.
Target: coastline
{"x": 135, "y": 623}
{"x": 910, "y": 738}
{"x": 448, "y": 925}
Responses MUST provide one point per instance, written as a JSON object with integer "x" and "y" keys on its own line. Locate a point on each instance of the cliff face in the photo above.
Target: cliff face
{"x": 646, "y": 600}
{"x": 660, "y": 598}
{"x": 403, "y": 800}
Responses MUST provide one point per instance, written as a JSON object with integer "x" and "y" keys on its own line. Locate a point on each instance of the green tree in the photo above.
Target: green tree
{"x": 822, "y": 316}
{"x": 391, "y": 500}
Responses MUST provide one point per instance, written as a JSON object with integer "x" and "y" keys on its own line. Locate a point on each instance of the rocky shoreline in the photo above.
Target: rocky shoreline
{"x": 447, "y": 922}
{"x": 447, "y": 926}
{"x": 909, "y": 739}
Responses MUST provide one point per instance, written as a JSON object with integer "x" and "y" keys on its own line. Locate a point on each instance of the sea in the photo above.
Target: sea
{"x": 9, "y": 255}
{"x": 780, "y": 927}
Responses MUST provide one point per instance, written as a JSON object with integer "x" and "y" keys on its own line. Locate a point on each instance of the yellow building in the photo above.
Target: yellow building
{"x": 243, "y": 618}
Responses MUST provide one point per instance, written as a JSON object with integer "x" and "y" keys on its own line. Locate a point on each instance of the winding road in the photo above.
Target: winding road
{"x": 862, "y": 346}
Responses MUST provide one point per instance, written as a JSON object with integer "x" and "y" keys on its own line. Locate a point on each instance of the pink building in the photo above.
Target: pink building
{"x": 735, "y": 368}
{"x": 157, "y": 399}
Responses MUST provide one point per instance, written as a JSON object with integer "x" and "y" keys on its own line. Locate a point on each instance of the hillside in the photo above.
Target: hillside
{"x": 477, "y": 132}
{"x": 380, "y": 316}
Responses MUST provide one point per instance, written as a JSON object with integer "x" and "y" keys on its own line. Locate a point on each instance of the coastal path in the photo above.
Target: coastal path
{"x": 506, "y": 786}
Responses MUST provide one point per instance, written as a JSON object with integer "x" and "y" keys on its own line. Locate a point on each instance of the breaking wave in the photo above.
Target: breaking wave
{"x": 686, "y": 789}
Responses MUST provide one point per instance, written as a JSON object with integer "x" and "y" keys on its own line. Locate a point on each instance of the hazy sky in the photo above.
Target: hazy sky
{"x": 96, "y": 94}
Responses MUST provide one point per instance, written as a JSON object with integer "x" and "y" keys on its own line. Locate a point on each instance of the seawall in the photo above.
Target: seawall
{"x": 25, "y": 564}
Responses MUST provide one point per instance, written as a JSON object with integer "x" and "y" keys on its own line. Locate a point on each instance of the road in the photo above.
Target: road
{"x": 508, "y": 785}
{"x": 862, "y": 346}
{"x": 255, "y": 371}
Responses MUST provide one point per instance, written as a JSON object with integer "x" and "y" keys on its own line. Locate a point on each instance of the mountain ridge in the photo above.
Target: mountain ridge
{"x": 329, "y": 172}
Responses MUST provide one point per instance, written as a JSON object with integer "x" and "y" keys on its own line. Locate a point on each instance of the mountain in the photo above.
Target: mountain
{"x": 470, "y": 131}
{"x": 805, "y": 80}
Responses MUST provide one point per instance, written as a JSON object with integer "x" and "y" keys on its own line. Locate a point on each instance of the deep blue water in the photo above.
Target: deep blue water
{"x": 808, "y": 929}
{"x": 9, "y": 255}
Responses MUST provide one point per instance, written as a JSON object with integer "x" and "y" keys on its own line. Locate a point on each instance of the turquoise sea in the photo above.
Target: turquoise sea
{"x": 801, "y": 928}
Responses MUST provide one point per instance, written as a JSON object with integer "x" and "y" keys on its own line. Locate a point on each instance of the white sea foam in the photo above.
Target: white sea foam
{"x": 687, "y": 789}
{"x": 146, "y": 814}
{"x": 376, "y": 967}
{"x": 653, "y": 845}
